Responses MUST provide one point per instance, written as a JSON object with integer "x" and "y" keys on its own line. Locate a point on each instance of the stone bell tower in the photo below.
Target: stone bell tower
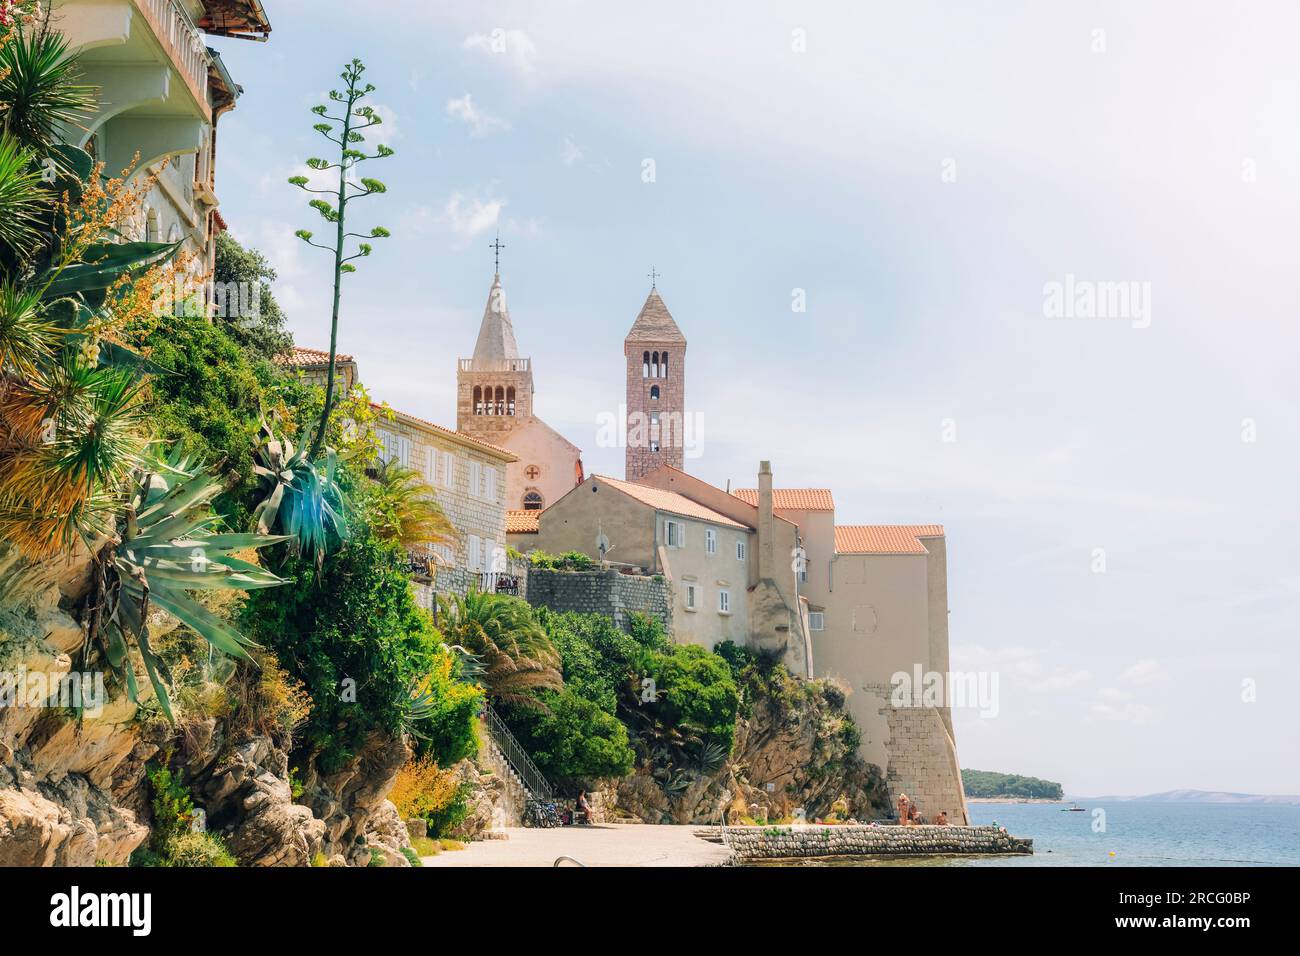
{"x": 494, "y": 389}
{"x": 655, "y": 350}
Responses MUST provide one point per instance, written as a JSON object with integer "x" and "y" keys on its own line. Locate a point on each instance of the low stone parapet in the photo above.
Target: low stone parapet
{"x": 790, "y": 842}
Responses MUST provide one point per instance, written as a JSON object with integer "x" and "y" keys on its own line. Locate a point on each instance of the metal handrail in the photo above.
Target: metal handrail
{"x": 537, "y": 785}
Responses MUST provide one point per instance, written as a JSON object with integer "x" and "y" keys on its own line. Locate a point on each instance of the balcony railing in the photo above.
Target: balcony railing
{"x": 502, "y": 365}
{"x": 498, "y": 582}
{"x": 182, "y": 41}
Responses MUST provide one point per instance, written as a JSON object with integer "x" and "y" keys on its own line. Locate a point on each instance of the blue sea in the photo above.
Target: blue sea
{"x": 1145, "y": 834}
{"x": 1127, "y": 834}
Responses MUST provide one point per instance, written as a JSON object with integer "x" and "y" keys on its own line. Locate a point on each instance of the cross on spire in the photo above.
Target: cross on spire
{"x": 653, "y": 275}
{"x": 497, "y": 246}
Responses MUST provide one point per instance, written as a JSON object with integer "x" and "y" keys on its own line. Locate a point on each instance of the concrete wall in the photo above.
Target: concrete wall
{"x": 608, "y": 593}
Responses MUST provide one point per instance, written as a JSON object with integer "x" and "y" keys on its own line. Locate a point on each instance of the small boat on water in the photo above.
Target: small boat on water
{"x": 1074, "y": 808}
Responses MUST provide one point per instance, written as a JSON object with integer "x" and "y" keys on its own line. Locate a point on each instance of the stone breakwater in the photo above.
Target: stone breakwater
{"x": 775, "y": 843}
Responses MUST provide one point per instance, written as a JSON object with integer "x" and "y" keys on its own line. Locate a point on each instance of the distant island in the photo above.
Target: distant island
{"x": 1204, "y": 796}
{"x": 990, "y": 785}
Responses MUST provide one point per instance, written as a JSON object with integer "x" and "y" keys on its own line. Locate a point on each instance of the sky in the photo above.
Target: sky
{"x": 1118, "y": 489}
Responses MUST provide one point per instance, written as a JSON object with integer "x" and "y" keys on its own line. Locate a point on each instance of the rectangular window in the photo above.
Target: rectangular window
{"x": 711, "y": 541}
{"x": 476, "y": 479}
{"x": 816, "y": 620}
{"x": 674, "y": 534}
{"x": 724, "y": 601}
{"x": 448, "y": 469}
{"x": 742, "y": 550}
{"x": 690, "y": 597}
{"x": 475, "y": 555}
{"x": 491, "y": 493}
{"x": 431, "y": 466}
{"x": 404, "y": 452}
{"x": 803, "y": 574}
{"x": 388, "y": 446}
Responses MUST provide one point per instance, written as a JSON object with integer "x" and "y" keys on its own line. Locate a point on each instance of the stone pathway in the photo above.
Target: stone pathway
{"x": 608, "y": 845}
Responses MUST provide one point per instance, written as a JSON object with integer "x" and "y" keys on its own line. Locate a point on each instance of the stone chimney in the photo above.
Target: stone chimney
{"x": 766, "y": 524}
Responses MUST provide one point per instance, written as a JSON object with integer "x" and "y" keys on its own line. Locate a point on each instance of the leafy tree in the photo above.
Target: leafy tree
{"x": 351, "y": 631}
{"x": 573, "y": 737}
{"x": 263, "y": 335}
{"x": 345, "y": 132}
{"x": 406, "y": 510}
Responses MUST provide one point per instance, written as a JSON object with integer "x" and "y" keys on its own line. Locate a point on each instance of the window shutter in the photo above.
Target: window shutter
{"x": 431, "y": 466}
{"x": 475, "y": 552}
{"x": 449, "y": 469}
{"x": 475, "y": 479}
{"x": 404, "y": 451}
{"x": 491, "y": 494}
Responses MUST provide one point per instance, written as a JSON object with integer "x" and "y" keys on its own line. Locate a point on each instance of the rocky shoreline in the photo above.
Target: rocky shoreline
{"x": 811, "y": 842}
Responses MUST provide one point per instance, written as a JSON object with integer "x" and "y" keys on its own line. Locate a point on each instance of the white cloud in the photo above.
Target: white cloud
{"x": 515, "y": 47}
{"x": 479, "y": 122}
{"x": 572, "y": 152}
{"x": 1143, "y": 672}
{"x": 1112, "y": 703}
{"x": 468, "y": 217}
{"x": 387, "y": 131}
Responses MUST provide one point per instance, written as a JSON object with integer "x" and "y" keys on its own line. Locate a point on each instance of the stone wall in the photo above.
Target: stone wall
{"x": 608, "y": 593}
{"x": 459, "y": 580}
{"x": 775, "y": 843}
{"x": 922, "y": 758}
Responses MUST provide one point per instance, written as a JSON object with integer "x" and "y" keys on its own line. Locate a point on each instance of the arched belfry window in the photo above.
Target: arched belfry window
{"x": 501, "y": 400}
{"x": 645, "y": 364}
{"x": 654, "y": 364}
{"x": 478, "y": 400}
{"x": 663, "y": 373}
{"x": 533, "y": 501}
{"x": 510, "y": 400}
{"x": 654, "y": 392}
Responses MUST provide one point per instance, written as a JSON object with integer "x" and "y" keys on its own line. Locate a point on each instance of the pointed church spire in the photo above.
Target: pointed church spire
{"x": 654, "y": 323}
{"x": 496, "y": 336}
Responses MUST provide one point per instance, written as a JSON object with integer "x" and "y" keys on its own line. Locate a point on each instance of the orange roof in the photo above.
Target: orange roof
{"x": 522, "y": 522}
{"x": 792, "y": 499}
{"x": 884, "y": 538}
{"x": 307, "y": 358}
{"x": 452, "y": 434}
{"x": 669, "y": 501}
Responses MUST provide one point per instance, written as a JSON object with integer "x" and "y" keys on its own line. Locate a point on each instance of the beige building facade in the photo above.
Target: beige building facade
{"x": 468, "y": 479}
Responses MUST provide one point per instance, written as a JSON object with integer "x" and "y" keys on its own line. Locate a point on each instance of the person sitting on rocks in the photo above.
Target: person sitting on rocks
{"x": 904, "y": 809}
{"x": 942, "y": 819}
{"x": 581, "y": 808}
{"x": 917, "y": 819}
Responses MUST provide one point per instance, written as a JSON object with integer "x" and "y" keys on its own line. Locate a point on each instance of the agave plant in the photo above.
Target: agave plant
{"x": 301, "y": 498}
{"x": 166, "y": 546}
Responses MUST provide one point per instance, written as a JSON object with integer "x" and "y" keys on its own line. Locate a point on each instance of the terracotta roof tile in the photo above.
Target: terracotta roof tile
{"x": 451, "y": 433}
{"x": 793, "y": 499}
{"x": 669, "y": 501}
{"x": 307, "y": 358}
{"x": 522, "y": 522}
{"x": 884, "y": 538}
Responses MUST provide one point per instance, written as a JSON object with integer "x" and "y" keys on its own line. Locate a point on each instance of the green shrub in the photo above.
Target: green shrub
{"x": 351, "y": 632}
{"x": 696, "y": 692}
{"x": 575, "y": 737}
{"x": 200, "y": 849}
{"x": 446, "y": 819}
{"x": 412, "y": 856}
{"x": 376, "y": 857}
{"x": 568, "y": 561}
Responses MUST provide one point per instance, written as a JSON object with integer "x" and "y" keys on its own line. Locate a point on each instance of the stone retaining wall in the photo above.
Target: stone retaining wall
{"x": 775, "y": 843}
{"x": 609, "y": 593}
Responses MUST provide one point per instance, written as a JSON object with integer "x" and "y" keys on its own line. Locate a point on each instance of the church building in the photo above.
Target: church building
{"x": 655, "y": 350}
{"x": 494, "y": 403}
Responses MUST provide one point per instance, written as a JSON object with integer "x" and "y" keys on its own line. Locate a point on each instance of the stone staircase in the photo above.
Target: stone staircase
{"x": 511, "y": 763}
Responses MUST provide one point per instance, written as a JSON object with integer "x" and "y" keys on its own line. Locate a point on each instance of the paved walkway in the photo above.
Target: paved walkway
{"x": 618, "y": 844}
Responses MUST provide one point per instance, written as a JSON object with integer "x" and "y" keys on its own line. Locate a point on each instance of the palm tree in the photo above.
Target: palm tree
{"x": 39, "y": 93}
{"x": 413, "y": 515}
{"x": 517, "y": 656}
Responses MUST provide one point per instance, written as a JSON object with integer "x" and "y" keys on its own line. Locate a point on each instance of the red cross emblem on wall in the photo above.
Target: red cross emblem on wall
{"x": 532, "y": 471}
